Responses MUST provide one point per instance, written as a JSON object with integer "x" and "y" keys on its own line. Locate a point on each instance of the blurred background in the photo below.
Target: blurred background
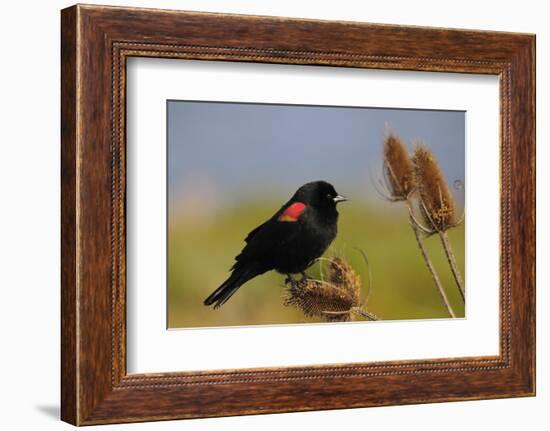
{"x": 232, "y": 165}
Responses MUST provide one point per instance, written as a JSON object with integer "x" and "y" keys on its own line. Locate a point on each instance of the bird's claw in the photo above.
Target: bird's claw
{"x": 290, "y": 280}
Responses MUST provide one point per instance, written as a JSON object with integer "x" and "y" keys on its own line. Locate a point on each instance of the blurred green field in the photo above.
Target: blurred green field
{"x": 201, "y": 251}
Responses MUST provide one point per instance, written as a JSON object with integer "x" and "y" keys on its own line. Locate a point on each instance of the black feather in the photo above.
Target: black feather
{"x": 238, "y": 277}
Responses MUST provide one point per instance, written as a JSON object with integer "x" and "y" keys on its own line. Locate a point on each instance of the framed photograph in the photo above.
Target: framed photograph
{"x": 265, "y": 215}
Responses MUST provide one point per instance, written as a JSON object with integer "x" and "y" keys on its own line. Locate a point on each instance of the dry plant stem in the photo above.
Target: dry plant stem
{"x": 452, "y": 263}
{"x": 365, "y": 314}
{"x": 431, "y": 268}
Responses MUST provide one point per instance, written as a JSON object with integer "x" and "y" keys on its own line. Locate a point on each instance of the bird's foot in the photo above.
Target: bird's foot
{"x": 304, "y": 276}
{"x": 288, "y": 279}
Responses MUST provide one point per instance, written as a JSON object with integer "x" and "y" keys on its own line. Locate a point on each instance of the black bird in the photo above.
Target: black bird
{"x": 289, "y": 242}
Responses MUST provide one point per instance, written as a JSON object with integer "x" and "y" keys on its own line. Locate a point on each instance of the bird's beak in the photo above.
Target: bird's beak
{"x": 339, "y": 198}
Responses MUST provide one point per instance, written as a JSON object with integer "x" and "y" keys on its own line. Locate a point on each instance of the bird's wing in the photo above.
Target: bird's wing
{"x": 270, "y": 221}
{"x": 253, "y": 232}
{"x": 270, "y": 235}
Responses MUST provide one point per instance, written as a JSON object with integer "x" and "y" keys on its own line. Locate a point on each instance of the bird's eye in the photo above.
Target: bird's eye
{"x": 329, "y": 196}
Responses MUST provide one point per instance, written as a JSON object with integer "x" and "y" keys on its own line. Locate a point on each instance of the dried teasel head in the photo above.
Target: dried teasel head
{"x": 333, "y": 300}
{"x": 437, "y": 204}
{"x": 398, "y": 168}
{"x": 321, "y": 299}
{"x": 341, "y": 274}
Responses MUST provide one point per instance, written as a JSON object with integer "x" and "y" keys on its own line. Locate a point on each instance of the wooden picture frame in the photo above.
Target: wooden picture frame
{"x": 95, "y": 43}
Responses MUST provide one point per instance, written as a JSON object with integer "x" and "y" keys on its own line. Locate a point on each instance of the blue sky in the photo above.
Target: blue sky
{"x": 230, "y": 152}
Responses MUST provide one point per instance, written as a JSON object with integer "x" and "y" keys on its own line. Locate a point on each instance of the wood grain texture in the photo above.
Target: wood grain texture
{"x": 69, "y": 397}
{"x": 96, "y": 41}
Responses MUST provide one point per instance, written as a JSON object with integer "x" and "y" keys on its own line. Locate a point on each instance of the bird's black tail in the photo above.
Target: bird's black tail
{"x": 230, "y": 286}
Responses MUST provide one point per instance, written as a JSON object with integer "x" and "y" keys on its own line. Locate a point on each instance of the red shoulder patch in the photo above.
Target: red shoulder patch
{"x": 293, "y": 212}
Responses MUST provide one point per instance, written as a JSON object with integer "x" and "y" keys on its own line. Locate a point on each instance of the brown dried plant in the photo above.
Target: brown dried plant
{"x": 398, "y": 169}
{"x": 341, "y": 274}
{"x": 437, "y": 205}
{"x": 337, "y": 299}
{"x": 402, "y": 184}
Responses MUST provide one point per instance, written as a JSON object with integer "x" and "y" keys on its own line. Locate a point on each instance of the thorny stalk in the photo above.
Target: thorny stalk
{"x": 432, "y": 270}
{"x": 452, "y": 263}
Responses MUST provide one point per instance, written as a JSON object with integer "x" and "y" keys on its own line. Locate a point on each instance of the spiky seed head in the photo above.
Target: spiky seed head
{"x": 398, "y": 168}
{"x": 320, "y": 299}
{"x": 333, "y": 300}
{"x": 437, "y": 204}
{"x": 341, "y": 274}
